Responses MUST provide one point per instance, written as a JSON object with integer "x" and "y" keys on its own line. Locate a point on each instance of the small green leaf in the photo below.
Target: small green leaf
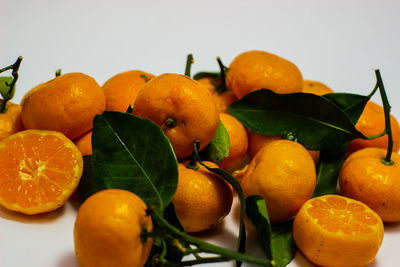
{"x": 277, "y": 240}
{"x": 218, "y": 148}
{"x": 4, "y": 88}
{"x": 352, "y": 104}
{"x": 311, "y": 120}
{"x": 328, "y": 169}
{"x": 134, "y": 154}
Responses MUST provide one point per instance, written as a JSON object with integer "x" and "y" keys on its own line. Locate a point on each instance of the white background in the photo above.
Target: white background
{"x": 337, "y": 42}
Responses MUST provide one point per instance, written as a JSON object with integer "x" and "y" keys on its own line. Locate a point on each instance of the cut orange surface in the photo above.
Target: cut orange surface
{"x": 40, "y": 169}
{"x": 333, "y": 230}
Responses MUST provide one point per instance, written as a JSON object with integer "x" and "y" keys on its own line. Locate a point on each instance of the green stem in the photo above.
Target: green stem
{"x": 10, "y": 93}
{"x": 58, "y": 72}
{"x": 189, "y": 63}
{"x": 376, "y": 136}
{"x": 146, "y": 79}
{"x": 207, "y": 247}
{"x": 222, "y": 87}
{"x": 386, "y": 107}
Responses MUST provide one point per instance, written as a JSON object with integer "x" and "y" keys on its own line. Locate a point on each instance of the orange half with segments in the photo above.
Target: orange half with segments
{"x": 333, "y": 230}
{"x": 40, "y": 169}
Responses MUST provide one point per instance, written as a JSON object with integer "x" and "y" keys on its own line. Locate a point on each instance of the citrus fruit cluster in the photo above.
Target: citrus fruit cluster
{"x": 43, "y": 141}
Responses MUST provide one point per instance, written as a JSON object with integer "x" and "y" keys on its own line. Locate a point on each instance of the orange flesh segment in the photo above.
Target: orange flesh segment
{"x": 36, "y": 169}
{"x": 337, "y": 215}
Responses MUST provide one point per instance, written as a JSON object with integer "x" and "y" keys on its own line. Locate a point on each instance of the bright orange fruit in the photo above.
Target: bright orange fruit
{"x": 283, "y": 173}
{"x": 333, "y": 230}
{"x": 121, "y": 89}
{"x": 238, "y": 141}
{"x": 182, "y": 107}
{"x": 10, "y": 121}
{"x": 108, "y": 230}
{"x": 40, "y": 169}
{"x": 67, "y": 104}
{"x": 364, "y": 177}
{"x": 84, "y": 143}
{"x": 372, "y": 122}
{"x": 253, "y": 70}
{"x": 317, "y": 88}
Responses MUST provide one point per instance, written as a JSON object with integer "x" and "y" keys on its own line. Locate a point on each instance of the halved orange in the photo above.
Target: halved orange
{"x": 39, "y": 170}
{"x": 333, "y": 230}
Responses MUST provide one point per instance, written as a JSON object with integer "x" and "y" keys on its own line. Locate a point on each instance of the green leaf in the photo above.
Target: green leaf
{"x": 4, "y": 88}
{"x": 277, "y": 240}
{"x": 352, "y": 104}
{"x": 218, "y": 148}
{"x": 328, "y": 169}
{"x": 311, "y": 120}
{"x": 88, "y": 185}
{"x": 134, "y": 154}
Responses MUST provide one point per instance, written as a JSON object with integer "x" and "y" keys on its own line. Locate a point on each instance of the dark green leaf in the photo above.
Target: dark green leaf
{"x": 4, "y": 88}
{"x": 88, "y": 185}
{"x": 218, "y": 148}
{"x": 311, "y": 120}
{"x": 134, "y": 154}
{"x": 277, "y": 240}
{"x": 352, "y": 104}
{"x": 330, "y": 162}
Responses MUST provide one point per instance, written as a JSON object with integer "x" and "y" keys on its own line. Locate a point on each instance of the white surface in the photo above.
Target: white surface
{"x": 338, "y": 42}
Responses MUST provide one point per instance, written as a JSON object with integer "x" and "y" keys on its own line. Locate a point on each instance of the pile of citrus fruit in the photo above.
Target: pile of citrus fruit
{"x": 44, "y": 139}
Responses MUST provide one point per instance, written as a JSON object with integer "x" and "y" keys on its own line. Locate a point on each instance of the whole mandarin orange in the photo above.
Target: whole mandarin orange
{"x": 253, "y": 70}
{"x": 364, "y": 177}
{"x": 284, "y": 174}
{"x": 108, "y": 230}
{"x": 372, "y": 122}
{"x": 67, "y": 104}
{"x": 182, "y": 107}
{"x": 203, "y": 199}
{"x": 121, "y": 89}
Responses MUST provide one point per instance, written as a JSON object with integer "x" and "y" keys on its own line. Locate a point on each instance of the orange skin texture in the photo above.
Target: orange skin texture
{"x": 283, "y": 173}
{"x": 253, "y": 70}
{"x": 364, "y": 177}
{"x": 10, "y": 121}
{"x": 315, "y": 87}
{"x": 107, "y": 230}
{"x": 40, "y": 171}
{"x": 202, "y": 199}
{"x": 332, "y": 231}
{"x": 185, "y": 100}
{"x": 222, "y": 100}
{"x": 121, "y": 89}
{"x": 258, "y": 141}
{"x": 238, "y": 141}
{"x": 84, "y": 144}
{"x": 372, "y": 122}
{"x": 67, "y": 104}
